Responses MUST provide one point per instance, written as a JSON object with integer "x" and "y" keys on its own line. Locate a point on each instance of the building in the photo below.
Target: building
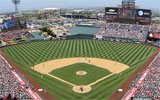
{"x": 48, "y": 10}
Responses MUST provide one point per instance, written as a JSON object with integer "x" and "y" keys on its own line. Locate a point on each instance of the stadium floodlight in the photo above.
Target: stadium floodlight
{"x": 16, "y": 2}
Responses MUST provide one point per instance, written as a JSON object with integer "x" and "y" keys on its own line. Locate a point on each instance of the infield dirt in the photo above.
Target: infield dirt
{"x": 49, "y": 66}
{"x": 112, "y": 66}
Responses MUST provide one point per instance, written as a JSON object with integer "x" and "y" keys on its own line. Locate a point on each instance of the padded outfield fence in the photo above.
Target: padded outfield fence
{"x": 85, "y": 36}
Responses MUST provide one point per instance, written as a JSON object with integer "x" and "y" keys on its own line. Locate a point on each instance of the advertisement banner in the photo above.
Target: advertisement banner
{"x": 130, "y": 94}
{"x": 99, "y": 36}
{"x": 19, "y": 79}
{"x": 143, "y": 13}
{"x": 8, "y": 25}
{"x": 142, "y": 77}
{"x": 154, "y": 35}
{"x": 144, "y": 19}
{"x": 11, "y": 24}
{"x": 111, "y": 11}
{"x": 34, "y": 96}
{"x": 110, "y": 17}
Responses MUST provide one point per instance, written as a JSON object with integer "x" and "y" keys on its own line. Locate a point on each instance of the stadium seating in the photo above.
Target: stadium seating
{"x": 129, "y": 31}
{"x": 157, "y": 43}
{"x": 9, "y": 84}
{"x": 150, "y": 87}
{"x": 15, "y": 34}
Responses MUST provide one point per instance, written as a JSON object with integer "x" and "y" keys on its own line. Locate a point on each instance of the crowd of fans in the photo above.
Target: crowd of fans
{"x": 138, "y": 76}
{"x": 9, "y": 85}
{"x": 99, "y": 23}
{"x": 131, "y": 31}
{"x": 16, "y": 34}
{"x": 155, "y": 28}
{"x": 150, "y": 87}
{"x": 157, "y": 43}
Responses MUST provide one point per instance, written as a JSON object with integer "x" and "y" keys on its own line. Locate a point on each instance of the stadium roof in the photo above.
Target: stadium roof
{"x": 50, "y": 9}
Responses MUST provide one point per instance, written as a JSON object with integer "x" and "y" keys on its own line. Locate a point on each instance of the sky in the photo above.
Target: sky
{"x": 7, "y": 6}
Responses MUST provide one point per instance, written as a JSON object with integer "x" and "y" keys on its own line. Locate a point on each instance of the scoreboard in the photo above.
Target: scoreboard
{"x": 136, "y": 15}
{"x": 126, "y": 13}
{"x": 8, "y": 25}
{"x": 18, "y": 24}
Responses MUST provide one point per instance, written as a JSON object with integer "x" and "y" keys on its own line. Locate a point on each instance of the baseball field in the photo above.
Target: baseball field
{"x": 79, "y": 69}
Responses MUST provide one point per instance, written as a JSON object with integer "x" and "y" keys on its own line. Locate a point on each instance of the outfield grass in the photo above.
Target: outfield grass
{"x": 31, "y": 54}
{"x": 68, "y": 73}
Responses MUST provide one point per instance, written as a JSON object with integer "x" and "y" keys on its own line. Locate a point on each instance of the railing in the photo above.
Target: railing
{"x": 131, "y": 92}
{"x": 29, "y": 90}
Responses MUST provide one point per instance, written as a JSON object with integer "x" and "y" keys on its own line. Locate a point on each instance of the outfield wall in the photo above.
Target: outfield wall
{"x": 84, "y": 36}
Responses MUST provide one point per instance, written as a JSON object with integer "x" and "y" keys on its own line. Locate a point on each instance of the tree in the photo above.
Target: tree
{"x": 48, "y": 30}
{"x": 45, "y": 29}
{"x": 40, "y": 33}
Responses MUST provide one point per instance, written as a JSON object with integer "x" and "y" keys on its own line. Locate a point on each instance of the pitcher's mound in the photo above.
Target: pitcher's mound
{"x": 81, "y": 89}
{"x": 81, "y": 73}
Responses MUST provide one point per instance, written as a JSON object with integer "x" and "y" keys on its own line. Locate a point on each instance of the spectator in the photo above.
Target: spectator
{"x": 150, "y": 87}
{"x": 129, "y": 31}
{"x": 9, "y": 86}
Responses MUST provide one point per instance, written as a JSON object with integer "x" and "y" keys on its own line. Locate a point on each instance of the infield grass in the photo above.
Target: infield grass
{"x": 68, "y": 73}
{"x": 31, "y": 54}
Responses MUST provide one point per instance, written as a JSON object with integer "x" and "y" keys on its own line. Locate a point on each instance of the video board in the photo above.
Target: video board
{"x": 13, "y": 24}
{"x": 126, "y": 13}
{"x": 8, "y": 25}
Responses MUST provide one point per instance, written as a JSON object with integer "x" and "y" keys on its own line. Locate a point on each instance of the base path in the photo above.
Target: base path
{"x": 101, "y": 79}
{"x": 49, "y": 66}
{"x": 61, "y": 80}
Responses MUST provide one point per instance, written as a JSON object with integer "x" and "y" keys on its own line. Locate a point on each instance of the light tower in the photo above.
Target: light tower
{"x": 16, "y": 2}
{"x": 128, "y": 3}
